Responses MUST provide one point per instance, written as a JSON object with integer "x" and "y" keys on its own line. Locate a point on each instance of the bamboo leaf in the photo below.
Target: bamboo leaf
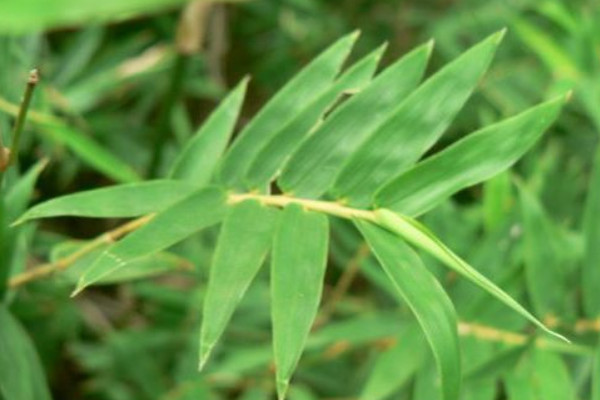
{"x": 22, "y": 376}
{"x": 596, "y": 375}
{"x": 314, "y": 166}
{"x": 307, "y": 85}
{"x": 272, "y": 157}
{"x": 297, "y": 273}
{"x": 590, "y": 273}
{"x": 119, "y": 201}
{"x": 21, "y": 192}
{"x": 415, "y": 125}
{"x": 471, "y": 160}
{"x": 199, "y": 210}
{"x": 245, "y": 238}
{"x": 416, "y": 234}
{"x": 425, "y": 297}
{"x": 145, "y": 267}
{"x": 90, "y": 152}
{"x": 197, "y": 161}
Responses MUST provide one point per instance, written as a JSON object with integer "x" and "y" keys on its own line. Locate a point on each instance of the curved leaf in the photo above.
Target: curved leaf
{"x": 245, "y": 238}
{"x": 425, "y": 297}
{"x": 297, "y": 273}
{"x": 119, "y": 201}
{"x": 309, "y": 83}
{"x": 201, "y": 209}
{"x": 313, "y": 167}
{"x": 471, "y": 160}
{"x": 197, "y": 161}
{"x": 415, "y": 125}
{"x": 419, "y": 236}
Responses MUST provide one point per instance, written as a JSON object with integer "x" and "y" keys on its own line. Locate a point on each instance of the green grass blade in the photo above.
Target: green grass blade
{"x": 22, "y": 376}
{"x": 546, "y": 277}
{"x": 596, "y": 375}
{"x": 119, "y": 201}
{"x": 590, "y": 273}
{"x": 201, "y": 209}
{"x": 90, "y": 152}
{"x": 416, "y": 234}
{"x": 297, "y": 272}
{"x": 245, "y": 238}
{"x": 471, "y": 160}
{"x": 21, "y": 192}
{"x": 425, "y": 297}
{"x": 31, "y": 16}
{"x": 309, "y": 83}
{"x": 198, "y": 160}
{"x": 314, "y": 166}
{"x": 415, "y": 125}
{"x": 272, "y": 157}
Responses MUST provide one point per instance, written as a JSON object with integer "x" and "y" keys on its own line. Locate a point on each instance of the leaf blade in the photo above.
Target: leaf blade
{"x": 297, "y": 273}
{"x": 198, "y": 160}
{"x": 243, "y": 243}
{"x": 590, "y": 273}
{"x": 471, "y": 160}
{"x": 426, "y": 299}
{"x": 201, "y": 209}
{"x": 119, "y": 201}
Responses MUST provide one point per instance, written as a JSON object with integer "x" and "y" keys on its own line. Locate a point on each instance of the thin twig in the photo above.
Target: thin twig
{"x": 62, "y": 264}
{"x": 33, "y": 80}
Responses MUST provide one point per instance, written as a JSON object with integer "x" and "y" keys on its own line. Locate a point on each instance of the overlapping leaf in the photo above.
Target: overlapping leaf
{"x": 307, "y": 85}
{"x": 590, "y": 275}
{"x": 415, "y": 125}
{"x": 315, "y": 164}
{"x": 425, "y": 297}
{"x": 275, "y": 153}
{"x": 203, "y": 208}
{"x": 471, "y": 160}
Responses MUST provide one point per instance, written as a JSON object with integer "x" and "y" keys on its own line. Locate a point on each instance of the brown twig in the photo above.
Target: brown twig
{"x": 62, "y": 264}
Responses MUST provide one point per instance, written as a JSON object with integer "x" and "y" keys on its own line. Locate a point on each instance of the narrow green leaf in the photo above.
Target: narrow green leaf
{"x": 387, "y": 377}
{"x": 144, "y": 267}
{"x": 314, "y": 166}
{"x": 245, "y": 238}
{"x": 471, "y": 160}
{"x": 297, "y": 272}
{"x": 90, "y": 152}
{"x": 415, "y": 125}
{"x": 120, "y": 201}
{"x": 308, "y": 84}
{"x": 272, "y": 157}
{"x": 497, "y": 201}
{"x": 199, "y": 210}
{"x": 197, "y": 161}
{"x": 545, "y": 274}
{"x": 421, "y": 237}
{"x": 31, "y": 16}
{"x": 425, "y": 297}
{"x": 590, "y": 273}
{"x": 22, "y": 376}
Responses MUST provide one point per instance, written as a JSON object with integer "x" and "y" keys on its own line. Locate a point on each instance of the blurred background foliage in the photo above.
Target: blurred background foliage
{"x": 126, "y": 83}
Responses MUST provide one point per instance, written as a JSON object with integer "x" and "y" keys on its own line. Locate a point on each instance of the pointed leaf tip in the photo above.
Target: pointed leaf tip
{"x": 498, "y": 36}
